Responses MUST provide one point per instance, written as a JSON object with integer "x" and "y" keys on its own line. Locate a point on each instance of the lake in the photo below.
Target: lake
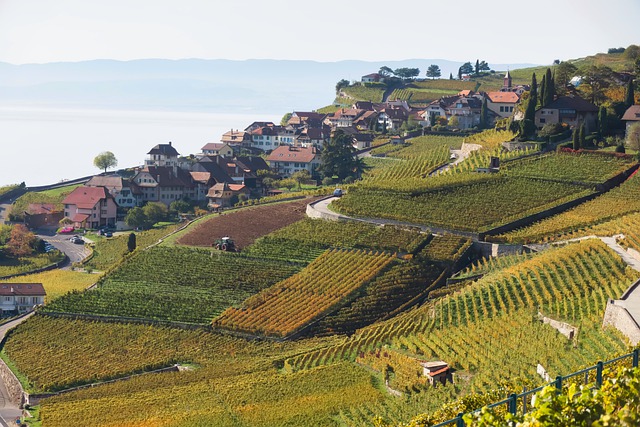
{"x": 45, "y": 146}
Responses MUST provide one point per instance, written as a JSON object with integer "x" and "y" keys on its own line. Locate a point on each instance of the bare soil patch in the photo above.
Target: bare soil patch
{"x": 246, "y": 225}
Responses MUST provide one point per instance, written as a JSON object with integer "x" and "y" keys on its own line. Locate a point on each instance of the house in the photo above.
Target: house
{"x": 42, "y": 214}
{"x": 265, "y": 138}
{"x": 344, "y": 117}
{"x": 163, "y": 155}
{"x": 125, "y": 193}
{"x": 308, "y": 136}
{"x": 255, "y": 125}
{"x": 631, "y": 116}
{"x": 467, "y": 110}
{"x": 436, "y": 372}
{"x": 366, "y": 121}
{"x": 165, "y": 184}
{"x": 20, "y": 297}
{"x": 217, "y": 149}
{"x": 502, "y": 103}
{"x": 90, "y": 207}
{"x": 393, "y": 118}
{"x": 362, "y": 141}
{"x": 236, "y": 138}
{"x": 311, "y": 119}
{"x": 571, "y": 110}
{"x": 372, "y": 78}
{"x": 224, "y": 195}
{"x": 286, "y": 160}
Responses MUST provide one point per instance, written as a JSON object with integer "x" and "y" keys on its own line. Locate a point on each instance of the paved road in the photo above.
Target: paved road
{"x": 9, "y": 411}
{"x": 460, "y": 154}
{"x": 74, "y": 251}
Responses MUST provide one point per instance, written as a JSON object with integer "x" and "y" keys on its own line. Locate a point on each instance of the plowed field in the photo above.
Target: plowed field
{"x": 244, "y": 226}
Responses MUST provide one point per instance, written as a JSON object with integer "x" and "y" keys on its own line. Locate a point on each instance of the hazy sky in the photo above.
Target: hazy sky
{"x": 326, "y": 30}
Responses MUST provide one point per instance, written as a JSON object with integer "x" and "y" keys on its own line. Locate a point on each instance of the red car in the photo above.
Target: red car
{"x": 67, "y": 230}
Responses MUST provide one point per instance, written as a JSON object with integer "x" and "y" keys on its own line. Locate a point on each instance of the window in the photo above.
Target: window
{"x": 23, "y": 300}
{"x": 34, "y": 300}
{"x": 502, "y": 109}
{"x": 511, "y": 109}
{"x": 543, "y": 120}
{"x": 7, "y": 298}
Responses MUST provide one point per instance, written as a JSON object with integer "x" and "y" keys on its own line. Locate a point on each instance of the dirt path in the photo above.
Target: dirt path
{"x": 461, "y": 155}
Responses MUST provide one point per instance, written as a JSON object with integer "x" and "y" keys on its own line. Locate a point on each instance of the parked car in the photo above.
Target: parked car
{"x": 67, "y": 230}
{"x": 108, "y": 234}
{"x": 337, "y": 192}
{"x": 77, "y": 240}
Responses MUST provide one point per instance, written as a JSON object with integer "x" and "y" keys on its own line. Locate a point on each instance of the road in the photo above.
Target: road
{"x": 75, "y": 252}
{"x": 9, "y": 411}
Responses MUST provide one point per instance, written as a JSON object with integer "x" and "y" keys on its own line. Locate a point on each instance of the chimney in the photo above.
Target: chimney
{"x": 169, "y": 143}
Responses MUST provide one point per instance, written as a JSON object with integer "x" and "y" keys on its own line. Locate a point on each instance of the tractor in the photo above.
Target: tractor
{"x": 225, "y": 244}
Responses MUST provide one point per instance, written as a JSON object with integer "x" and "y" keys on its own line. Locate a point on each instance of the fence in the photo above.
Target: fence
{"x": 518, "y": 403}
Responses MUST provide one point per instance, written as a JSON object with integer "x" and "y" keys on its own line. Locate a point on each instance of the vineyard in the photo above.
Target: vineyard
{"x": 176, "y": 284}
{"x": 320, "y": 288}
{"x": 11, "y": 266}
{"x": 371, "y": 93}
{"x": 571, "y": 283}
{"x": 622, "y": 200}
{"x": 585, "y": 168}
{"x": 60, "y": 282}
{"x": 491, "y": 138}
{"x": 473, "y": 207}
{"x": 107, "y": 252}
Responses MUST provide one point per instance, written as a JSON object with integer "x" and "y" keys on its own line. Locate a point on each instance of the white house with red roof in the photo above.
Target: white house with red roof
{"x": 502, "y": 103}
{"x": 90, "y": 207}
{"x": 287, "y": 160}
{"x": 217, "y": 149}
{"x": 20, "y": 297}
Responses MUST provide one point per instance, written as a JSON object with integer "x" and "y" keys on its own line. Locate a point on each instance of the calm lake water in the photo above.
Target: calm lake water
{"x": 45, "y": 146}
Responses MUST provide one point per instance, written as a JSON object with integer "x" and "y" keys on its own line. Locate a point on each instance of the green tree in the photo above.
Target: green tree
{"x": 155, "y": 212}
{"x": 180, "y": 206}
{"x": 433, "y": 71}
{"x": 576, "y": 138}
{"x": 131, "y": 242}
{"x": 338, "y": 156}
{"x": 603, "y": 121}
{"x": 285, "y": 119}
{"x": 136, "y": 218}
{"x": 477, "y": 66}
{"x": 564, "y": 72}
{"x": 549, "y": 91}
{"x": 484, "y": 114}
{"x": 385, "y": 71}
{"x": 543, "y": 89}
{"x": 629, "y": 96}
{"x": 105, "y": 160}
{"x": 595, "y": 80}
{"x": 407, "y": 73}
{"x": 454, "y": 122}
{"x": 582, "y": 135}
{"x": 301, "y": 176}
{"x": 450, "y": 76}
{"x": 465, "y": 68}
{"x": 341, "y": 84}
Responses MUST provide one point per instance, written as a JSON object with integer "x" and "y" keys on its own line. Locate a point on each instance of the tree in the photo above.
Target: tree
{"x": 105, "y": 160}
{"x": 155, "y": 212}
{"x": 633, "y": 136}
{"x": 136, "y": 218}
{"x": 465, "y": 68}
{"x": 301, "y": 176}
{"x": 483, "y": 66}
{"x": 603, "y": 121}
{"x": 131, "y": 242}
{"x": 385, "y": 71}
{"x": 180, "y": 206}
{"x": 582, "y": 135}
{"x": 454, "y": 122}
{"x": 341, "y": 84}
{"x": 549, "y": 92}
{"x": 484, "y": 114}
{"x": 407, "y": 73}
{"x": 21, "y": 241}
{"x": 433, "y": 71}
{"x": 450, "y": 76}
{"x": 564, "y": 72}
{"x": 477, "y": 66}
{"x": 595, "y": 79}
{"x": 285, "y": 119}
{"x": 543, "y": 89}
{"x": 338, "y": 156}
{"x": 629, "y": 96}
{"x": 576, "y": 139}
{"x": 269, "y": 182}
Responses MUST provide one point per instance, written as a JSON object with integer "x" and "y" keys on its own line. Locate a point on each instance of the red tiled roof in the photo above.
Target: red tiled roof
{"x": 503, "y": 97}
{"x": 201, "y": 176}
{"x": 22, "y": 289}
{"x": 285, "y": 153}
{"x": 80, "y": 217}
{"x": 86, "y": 197}
{"x": 213, "y": 146}
{"x": 439, "y": 371}
{"x": 237, "y": 187}
{"x": 42, "y": 208}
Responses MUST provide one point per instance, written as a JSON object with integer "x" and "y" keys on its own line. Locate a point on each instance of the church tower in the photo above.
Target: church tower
{"x": 506, "y": 85}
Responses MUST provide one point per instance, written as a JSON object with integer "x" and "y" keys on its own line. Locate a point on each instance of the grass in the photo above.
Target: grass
{"x": 54, "y": 196}
{"x": 59, "y": 282}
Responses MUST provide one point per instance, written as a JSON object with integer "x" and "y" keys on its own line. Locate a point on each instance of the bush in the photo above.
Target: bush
{"x": 620, "y": 148}
{"x": 551, "y": 129}
{"x": 327, "y": 181}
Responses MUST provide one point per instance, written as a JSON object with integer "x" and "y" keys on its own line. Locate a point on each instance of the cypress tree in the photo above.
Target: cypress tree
{"x": 450, "y": 76}
{"x": 576, "y": 139}
{"x": 131, "y": 243}
{"x": 582, "y": 136}
{"x": 629, "y": 98}
{"x": 547, "y": 95}
{"x": 543, "y": 90}
{"x": 484, "y": 114}
{"x": 551, "y": 89}
{"x": 602, "y": 121}
{"x": 533, "y": 93}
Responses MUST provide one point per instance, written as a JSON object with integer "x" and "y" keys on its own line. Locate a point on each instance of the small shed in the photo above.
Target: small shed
{"x": 436, "y": 372}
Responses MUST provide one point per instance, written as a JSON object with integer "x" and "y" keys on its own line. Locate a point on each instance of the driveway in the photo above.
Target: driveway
{"x": 74, "y": 251}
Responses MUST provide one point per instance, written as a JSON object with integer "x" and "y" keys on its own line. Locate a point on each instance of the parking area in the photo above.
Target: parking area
{"x": 76, "y": 252}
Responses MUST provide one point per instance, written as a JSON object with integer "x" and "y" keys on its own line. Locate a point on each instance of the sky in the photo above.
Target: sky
{"x": 498, "y": 31}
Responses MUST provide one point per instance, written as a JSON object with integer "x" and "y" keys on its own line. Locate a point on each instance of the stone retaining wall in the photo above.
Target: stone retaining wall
{"x": 14, "y": 388}
{"x": 617, "y": 316}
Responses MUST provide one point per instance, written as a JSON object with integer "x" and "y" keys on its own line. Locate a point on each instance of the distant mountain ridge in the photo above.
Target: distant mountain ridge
{"x": 259, "y": 85}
